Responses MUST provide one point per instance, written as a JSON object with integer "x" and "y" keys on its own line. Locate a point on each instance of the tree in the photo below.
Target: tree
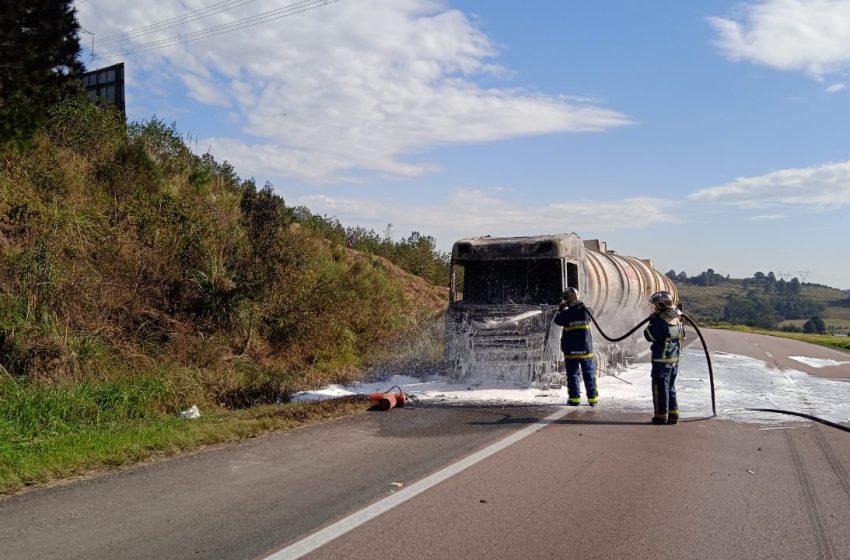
{"x": 770, "y": 283}
{"x": 263, "y": 215}
{"x": 39, "y": 49}
{"x": 750, "y": 310}
{"x": 814, "y": 325}
{"x": 794, "y": 287}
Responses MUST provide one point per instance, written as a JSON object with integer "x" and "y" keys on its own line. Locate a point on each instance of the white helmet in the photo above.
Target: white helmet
{"x": 661, "y": 300}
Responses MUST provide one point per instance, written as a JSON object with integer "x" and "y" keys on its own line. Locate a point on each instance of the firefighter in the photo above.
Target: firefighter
{"x": 577, "y": 345}
{"x": 666, "y": 334}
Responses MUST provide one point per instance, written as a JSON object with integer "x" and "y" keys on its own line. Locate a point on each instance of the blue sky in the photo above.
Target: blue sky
{"x": 697, "y": 134}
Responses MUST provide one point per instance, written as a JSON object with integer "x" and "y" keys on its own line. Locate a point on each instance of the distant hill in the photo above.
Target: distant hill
{"x": 765, "y": 303}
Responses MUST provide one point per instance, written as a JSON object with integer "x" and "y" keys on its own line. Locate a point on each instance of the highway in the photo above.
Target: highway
{"x": 589, "y": 484}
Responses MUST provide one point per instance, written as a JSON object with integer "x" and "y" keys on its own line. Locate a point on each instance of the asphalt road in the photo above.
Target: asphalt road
{"x": 240, "y": 501}
{"x": 593, "y": 484}
{"x": 775, "y": 351}
{"x": 587, "y": 487}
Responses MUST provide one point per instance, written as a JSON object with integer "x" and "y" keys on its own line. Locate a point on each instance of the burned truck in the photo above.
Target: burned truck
{"x": 504, "y": 293}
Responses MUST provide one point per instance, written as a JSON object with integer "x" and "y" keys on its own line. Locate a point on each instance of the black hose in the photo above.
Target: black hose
{"x": 624, "y": 337}
{"x": 707, "y": 360}
{"x": 711, "y": 373}
{"x": 802, "y": 415}
{"x": 639, "y": 325}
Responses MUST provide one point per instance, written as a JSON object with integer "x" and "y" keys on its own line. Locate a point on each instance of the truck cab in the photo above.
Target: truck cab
{"x": 504, "y": 293}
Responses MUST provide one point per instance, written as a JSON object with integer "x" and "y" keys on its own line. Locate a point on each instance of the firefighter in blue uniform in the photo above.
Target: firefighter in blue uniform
{"x": 577, "y": 345}
{"x": 666, "y": 334}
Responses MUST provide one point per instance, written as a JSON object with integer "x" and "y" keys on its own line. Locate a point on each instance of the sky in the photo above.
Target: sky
{"x": 711, "y": 134}
{"x": 740, "y": 383}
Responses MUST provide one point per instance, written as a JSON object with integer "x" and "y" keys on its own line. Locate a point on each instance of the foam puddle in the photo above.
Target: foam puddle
{"x": 740, "y": 382}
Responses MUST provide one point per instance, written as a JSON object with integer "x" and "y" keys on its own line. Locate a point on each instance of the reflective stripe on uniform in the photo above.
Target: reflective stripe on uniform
{"x": 593, "y": 399}
{"x": 578, "y": 356}
{"x": 666, "y": 361}
{"x": 576, "y": 327}
{"x": 575, "y": 399}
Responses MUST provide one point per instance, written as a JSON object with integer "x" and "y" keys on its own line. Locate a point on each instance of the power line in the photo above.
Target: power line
{"x": 175, "y": 21}
{"x": 271, "y": 15}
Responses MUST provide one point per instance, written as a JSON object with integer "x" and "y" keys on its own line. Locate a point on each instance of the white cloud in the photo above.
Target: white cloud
{"x": 204, "y": 90}
{"x": 766, "y": 217}
{"x": 821, "y": 187}
{"x": 834, "y": 88}
{"x": 472, "y": 212}
{"x": 352, "y": 85}
{"x": 800, "y": 35}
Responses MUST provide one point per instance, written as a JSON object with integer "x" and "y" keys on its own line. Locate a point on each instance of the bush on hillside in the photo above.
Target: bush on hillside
{"x": 417, "y": 253}
{"x": 121, "y": 250}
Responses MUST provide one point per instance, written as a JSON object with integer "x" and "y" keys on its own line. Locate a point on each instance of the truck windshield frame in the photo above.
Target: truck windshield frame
{"x": 512, "y": 281}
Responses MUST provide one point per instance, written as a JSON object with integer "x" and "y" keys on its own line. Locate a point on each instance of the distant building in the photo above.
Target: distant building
{"x": 107, "y": 83}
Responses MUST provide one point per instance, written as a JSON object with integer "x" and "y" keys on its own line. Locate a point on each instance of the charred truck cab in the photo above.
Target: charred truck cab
{"x": 504, "y": 293}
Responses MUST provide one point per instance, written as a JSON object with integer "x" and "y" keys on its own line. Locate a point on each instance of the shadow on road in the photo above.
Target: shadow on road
{"x": 508, "y": 419}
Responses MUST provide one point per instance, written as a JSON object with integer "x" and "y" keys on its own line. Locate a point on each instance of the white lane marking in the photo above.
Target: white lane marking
{"x": 343, "y": 526}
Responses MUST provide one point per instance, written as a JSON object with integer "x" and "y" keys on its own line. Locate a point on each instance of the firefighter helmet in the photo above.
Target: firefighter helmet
{"x": 571, "y": 296}
{"x": 661, "y": 300}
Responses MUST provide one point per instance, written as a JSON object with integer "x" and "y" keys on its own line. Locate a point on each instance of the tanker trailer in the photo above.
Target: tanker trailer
{"x": 504, "y": 293}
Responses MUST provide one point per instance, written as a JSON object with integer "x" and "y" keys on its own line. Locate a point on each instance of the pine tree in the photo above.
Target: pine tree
{"x": 39, "y": 49}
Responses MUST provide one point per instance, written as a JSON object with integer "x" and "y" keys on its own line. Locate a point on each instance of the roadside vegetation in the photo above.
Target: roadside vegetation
{"x": 138, "y": 279}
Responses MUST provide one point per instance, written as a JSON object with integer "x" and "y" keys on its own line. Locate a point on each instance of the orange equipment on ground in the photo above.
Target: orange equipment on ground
{"x": 388, "y": 399}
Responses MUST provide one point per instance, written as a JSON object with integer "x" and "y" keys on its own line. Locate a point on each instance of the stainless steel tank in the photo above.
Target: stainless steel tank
{"x": 616, "y": 284}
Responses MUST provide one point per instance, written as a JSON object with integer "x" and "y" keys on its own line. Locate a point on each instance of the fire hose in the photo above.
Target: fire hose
{"x": 692, "y": 323}
{"x": 711, "y": 373}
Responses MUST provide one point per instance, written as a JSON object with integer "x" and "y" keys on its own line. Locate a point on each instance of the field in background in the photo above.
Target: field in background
{"x": 707, "y": 303}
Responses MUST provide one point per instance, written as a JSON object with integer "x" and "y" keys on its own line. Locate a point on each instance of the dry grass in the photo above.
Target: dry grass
{"x": 125, "y": 257}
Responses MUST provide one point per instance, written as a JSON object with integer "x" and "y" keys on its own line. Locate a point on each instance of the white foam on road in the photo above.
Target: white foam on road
{"x": 740, "y": 383}
{"x": 817, "y": 362}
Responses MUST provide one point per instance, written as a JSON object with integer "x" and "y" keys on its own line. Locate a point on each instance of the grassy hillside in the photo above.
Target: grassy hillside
{"x": 137, "y": 279}
{"x": 709, "y": 302}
